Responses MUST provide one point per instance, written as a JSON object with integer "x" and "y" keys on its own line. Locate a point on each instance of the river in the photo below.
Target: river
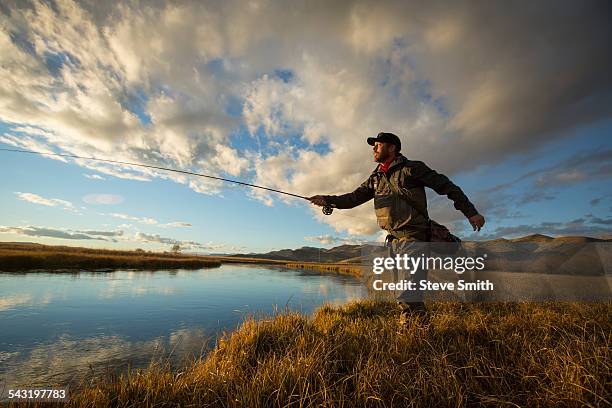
{"x": 58, "y": 328}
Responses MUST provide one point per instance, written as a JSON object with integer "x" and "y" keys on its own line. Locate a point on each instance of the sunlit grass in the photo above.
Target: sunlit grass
{"x": 25, "y": 256}
{"x": 464, "y": 354}
{"x": 341, "y": 268}
{"x": 21, "y": 257}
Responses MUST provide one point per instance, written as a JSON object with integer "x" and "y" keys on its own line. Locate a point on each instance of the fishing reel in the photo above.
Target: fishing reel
{"x": 327, "y": 209}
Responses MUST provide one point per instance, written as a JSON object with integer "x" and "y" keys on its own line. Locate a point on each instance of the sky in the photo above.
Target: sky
{"x": 512, "y": 101}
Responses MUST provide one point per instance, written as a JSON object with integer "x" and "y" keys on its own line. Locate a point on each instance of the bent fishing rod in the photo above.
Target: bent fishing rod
{"x": 327, "y": 209}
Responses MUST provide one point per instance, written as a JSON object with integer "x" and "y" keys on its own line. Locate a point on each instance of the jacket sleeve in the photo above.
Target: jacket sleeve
{"x": 362, "y": 194}
{"x": 443, "y": 186}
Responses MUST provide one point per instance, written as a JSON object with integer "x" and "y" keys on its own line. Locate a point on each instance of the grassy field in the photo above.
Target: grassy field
{"x": 354, "y": 355}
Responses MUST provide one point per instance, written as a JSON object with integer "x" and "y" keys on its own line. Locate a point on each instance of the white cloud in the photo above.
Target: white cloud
{"x": 103, "y": 199}
{"x": 175, "y": 224}
{"x": 228, "y": 160}
{"x": 359, "y": 221}
{"x": 154, "y": 83}
{"x": 49, "y": 202}
{"x": 329, "y": 240}
{"x": 32, "y": 131}
{"x": 185, "y": 245}
{"x": 116, "y": 170}
{"x": 49, "y": 232}
{"x": 324, "y": 239}
{"x": 94, "y": 177}
{"x": 142, "y": 220}
{"x": 111, "y": 236}
{"x": 149, "y": 221}
{"x": 28, "y": 143}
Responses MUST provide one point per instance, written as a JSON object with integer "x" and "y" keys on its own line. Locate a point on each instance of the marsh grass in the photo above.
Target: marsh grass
{"x": 22, "y": 257}
{"x": 340, "y": 268}
{"x": 27, "y": 256}
{"x": 552, "y": 354}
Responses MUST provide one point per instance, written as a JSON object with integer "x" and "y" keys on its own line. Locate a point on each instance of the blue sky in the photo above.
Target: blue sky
{"x": 289, "y": 106}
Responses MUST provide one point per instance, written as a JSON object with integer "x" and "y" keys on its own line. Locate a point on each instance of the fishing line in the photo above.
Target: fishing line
{"x": 327, "y": 210}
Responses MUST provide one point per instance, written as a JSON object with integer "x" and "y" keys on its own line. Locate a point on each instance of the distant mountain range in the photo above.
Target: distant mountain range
{"x": 532, "y": 253}
{"x": 342, "y": 253}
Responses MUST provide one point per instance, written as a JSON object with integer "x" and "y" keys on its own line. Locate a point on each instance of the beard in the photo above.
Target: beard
{"x": 382, "y": 157}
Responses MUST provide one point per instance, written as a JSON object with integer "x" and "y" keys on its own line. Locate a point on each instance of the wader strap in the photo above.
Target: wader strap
{"x": 410, "y": 233}
{"x": 389, "y": 244}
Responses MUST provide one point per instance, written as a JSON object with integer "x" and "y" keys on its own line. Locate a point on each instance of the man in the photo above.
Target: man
{"x": 397, "y": 186}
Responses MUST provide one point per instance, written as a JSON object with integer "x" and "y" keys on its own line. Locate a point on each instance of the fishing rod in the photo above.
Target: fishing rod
{"x": 327, "y": 209}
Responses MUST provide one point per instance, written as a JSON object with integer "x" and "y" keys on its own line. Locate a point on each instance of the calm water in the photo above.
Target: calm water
{"x": 58, "y": 328}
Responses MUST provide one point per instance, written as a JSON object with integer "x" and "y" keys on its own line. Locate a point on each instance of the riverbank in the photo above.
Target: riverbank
{"x": 340, "y": 268}
{"x": 15, "y": 257}
{"x": 353, "y": 355}
{"x": 20, "y": 257}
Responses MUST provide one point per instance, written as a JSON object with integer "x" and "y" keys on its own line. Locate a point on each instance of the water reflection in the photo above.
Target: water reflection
{"x": 58, "y": 328}
{"x": 13, "y": 301}
{"x": 69, "y": 360}
{"x": 25, "y": 300}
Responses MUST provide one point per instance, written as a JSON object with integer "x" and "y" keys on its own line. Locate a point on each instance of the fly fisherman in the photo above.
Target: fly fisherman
{"x": 397, "y": 186}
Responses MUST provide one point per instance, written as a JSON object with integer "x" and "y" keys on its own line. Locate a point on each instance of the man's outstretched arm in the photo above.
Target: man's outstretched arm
{"x": 443, "y": 186}
{"x": 362, "y": 194}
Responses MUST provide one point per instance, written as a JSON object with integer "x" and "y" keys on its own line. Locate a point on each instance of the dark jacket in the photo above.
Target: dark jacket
{"x": 399, "y": 196}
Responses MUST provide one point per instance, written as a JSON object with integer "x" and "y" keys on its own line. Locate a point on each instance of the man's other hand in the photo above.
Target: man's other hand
{"x": 318, "y": 200}
{"x": 477, "y": 221}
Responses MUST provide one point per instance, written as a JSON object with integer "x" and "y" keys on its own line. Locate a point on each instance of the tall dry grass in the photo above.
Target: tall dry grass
{"x": 464, "y": 354}
{"x": 16, "y": 256}
{"x": 33, "y": 248}
{"x": 23, "y": 257}
{"x": 340, "y": 268}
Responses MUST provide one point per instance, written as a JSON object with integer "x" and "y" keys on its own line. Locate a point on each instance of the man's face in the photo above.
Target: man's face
{"x": 383, "y": 152}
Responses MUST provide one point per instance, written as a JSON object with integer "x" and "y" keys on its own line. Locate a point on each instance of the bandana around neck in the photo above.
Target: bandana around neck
{"x": 384, "y": 167}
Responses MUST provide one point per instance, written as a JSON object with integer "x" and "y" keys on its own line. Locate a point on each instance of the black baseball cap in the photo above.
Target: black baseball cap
{"x": 384, "y": 137}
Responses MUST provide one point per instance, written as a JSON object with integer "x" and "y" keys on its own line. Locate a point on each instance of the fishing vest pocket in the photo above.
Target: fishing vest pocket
{"x": 401, "y": 213}
{"x": 383, "y": 205}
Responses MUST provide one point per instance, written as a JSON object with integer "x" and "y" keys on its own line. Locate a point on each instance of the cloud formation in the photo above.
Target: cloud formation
{"x": 324, "y": 239}
{"x": 142, "y": 220}
{"x": 330, "y": 239}
{"x": 103, "y": 199}
{"x": 94, "y": 177}
{"x": 150, "y": 221}
{"x": 112, "y": 236}
{"x": 176, "y": 224}
{"x": 589, "y": 226}
{"x": 504, "y": 201}
{"x": 185, "y": 245}
{"x": 49, "y": 202}
{"x": 172, "y": 84}
{"x": 44, "y": 232}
